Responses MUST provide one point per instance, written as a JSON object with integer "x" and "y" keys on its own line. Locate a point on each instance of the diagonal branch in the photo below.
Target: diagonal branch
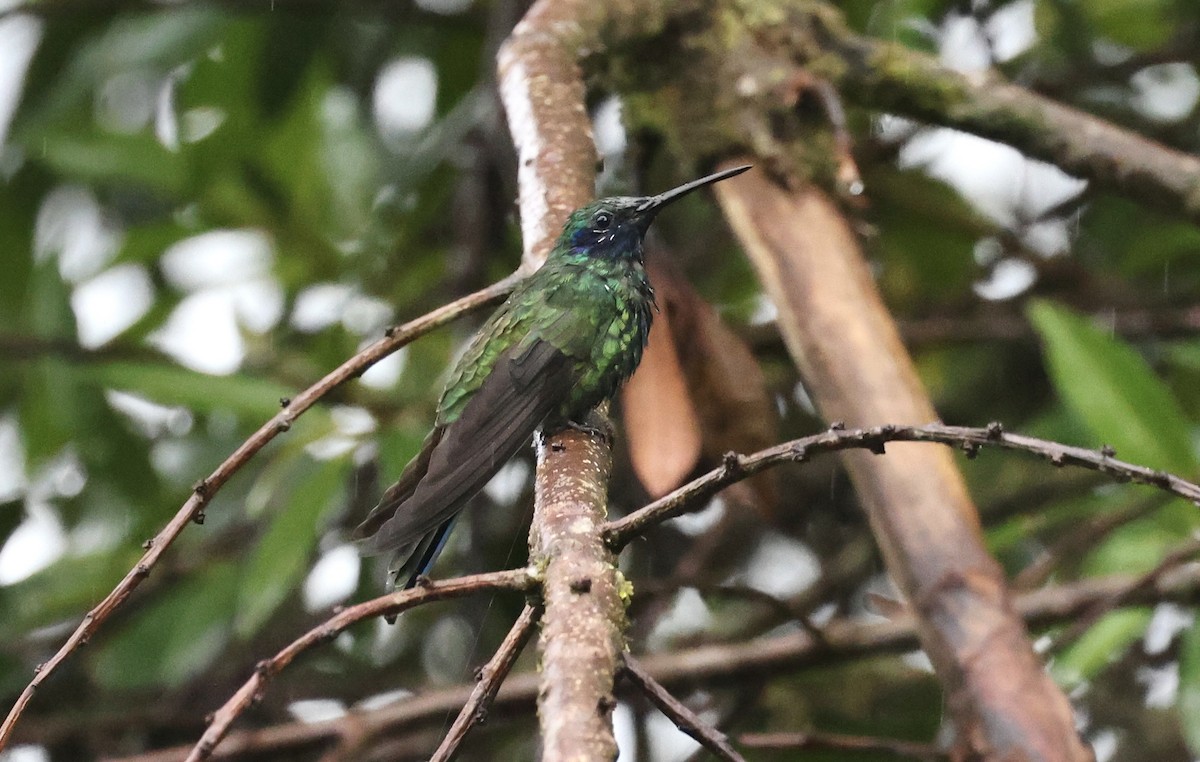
{"x": 491, "y": 676}
{"x": 619, "y": 532}
{"x": 205, "y": 489}
{"x": 685, "y": 719}
{"x": 717, "y": 664}
{"x": 252, "y": 690}
{"x": 894, "y": 78}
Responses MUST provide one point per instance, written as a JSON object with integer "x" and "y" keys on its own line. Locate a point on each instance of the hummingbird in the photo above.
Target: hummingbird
{"x": 564, "y": 341}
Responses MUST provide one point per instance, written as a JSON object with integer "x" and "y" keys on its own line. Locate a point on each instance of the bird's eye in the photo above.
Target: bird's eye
{"x": 601, "y": 221}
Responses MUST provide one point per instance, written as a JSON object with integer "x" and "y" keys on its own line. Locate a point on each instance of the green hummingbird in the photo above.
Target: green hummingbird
{"x": 566, "y": 338}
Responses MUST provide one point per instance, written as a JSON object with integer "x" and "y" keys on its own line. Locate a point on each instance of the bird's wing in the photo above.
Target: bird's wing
{"x": 526, "y": 384}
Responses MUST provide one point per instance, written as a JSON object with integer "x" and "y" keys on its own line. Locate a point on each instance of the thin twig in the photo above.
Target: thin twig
{"x": 705, "y": 665}
{"x": 840, "y": 742}
{"x": 252, "y": 690}
{"x": 1148, "y": 581}
{"x": 205, "y": 489}
{"x": 971, "y": 440}
{"x": 685, "y": 719}
{"x": 491, "y": 676}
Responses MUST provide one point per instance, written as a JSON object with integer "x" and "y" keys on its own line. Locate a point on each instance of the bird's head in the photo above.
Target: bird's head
{"x": 614, "y": 227}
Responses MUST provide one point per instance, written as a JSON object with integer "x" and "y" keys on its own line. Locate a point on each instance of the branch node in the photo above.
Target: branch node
{"x": 1108, "y": 451}
{"x": 581, "y": 585}
{"x": 995, "y": 430}
{"x": 148, "y": 544}
{"x": 201, "y": 488}
{"x": 837, "y": 426}
{"x": 199, "y": 518}
{"x": 970, "y": 449}
{"x": 285, "y": 401}
{"x": 606, "y": 704}
{"x": 390, "y": 331}
{"x": 283, "y": 425}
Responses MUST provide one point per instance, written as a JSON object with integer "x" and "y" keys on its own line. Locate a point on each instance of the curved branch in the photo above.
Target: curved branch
{"x": 736, "y": 467}
{"x": 389, "y": 605}
{"x": 475, "y": 710}
{"x": 892, "y": 77}
{"x": 205, "y": 489}
{"x": 841, "y": 640}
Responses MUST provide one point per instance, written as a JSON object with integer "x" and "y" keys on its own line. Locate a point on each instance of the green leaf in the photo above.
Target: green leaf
{"x": 1189, "y": 688}
{"x": 176, "y": 637}
{"x": 104, "y": 157}
{"x": 1102, "y": 644}
{"x": 172, "y": 385}
{"x": 1112, "y": 389}
{"x": 281, "y": 558}
{"x": 1139, "y": 24}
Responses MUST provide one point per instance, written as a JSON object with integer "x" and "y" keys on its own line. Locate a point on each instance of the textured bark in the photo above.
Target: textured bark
{"x": 856, "y": 370}
{"x": 581, "y": 639}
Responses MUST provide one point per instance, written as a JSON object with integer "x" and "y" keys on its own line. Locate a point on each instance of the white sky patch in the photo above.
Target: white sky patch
{"x": 1167, "y": 622}
{"x": 1166, "y": 92}
{"x": 1009, "y": 278}
{"x": 27, "y": 752}
{"x": 13, "y": 479}
{"x": 107, "y": 304}
{"x": 216, "y": 258}
{"x": 35, "y": 544}
{"x": 782, "y": 566}
{"x": 625, "y": 732}
{"x": 405, "y": 97}
{"x": 229, "y": 275}
{"x": 508, "y": 482}
{"x": 317, "y": 710}
{"x": 153, "y": 419}
{"x": 667, "y": 742}
{"x": 202, "y": 334}
{"x": 320, "y": 306}
{"x": 20, "y": 34}
{"x": 997, "y": 179}
{"x": 1012, "y": 30}
{"x": 333, "y": 578}
{"x": 126, "y": 102}
{"x": 688, "y": 615}
{"x": 385, "y": 373}
{"x": 962, "y": 46}
{"x": 71, "y": 226}
{"x": 698, "y": 522}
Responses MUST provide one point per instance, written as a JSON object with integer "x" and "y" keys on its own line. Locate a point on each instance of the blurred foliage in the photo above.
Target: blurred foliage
{"x": 284, "y": 182}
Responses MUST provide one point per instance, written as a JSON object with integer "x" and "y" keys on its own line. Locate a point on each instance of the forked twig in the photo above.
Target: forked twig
{"x": 252, "y": 690}
{"x": 205, "y": 489}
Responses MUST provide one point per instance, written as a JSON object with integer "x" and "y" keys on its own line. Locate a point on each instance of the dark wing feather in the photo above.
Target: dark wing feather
{"x": 459, "y": 459}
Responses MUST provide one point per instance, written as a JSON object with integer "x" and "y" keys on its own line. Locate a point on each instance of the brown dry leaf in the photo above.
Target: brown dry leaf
{"x": 703, "y": 396}
{"x": 660, "y": 422}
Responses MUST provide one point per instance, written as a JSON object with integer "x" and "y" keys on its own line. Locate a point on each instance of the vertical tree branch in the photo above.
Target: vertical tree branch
{"x": 581, "y": 641}
{"x": 839, "y": 333}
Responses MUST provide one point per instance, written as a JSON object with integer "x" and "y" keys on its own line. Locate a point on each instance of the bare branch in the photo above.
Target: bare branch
{"x": 490, "y": 677}
{"x": 581, "y": 641}
{"x": 205, "y": 489}
{"x": 840, "y": 742}
{"x": 685, "y": 719}
{"x": 713, "y": 664}
{"x": 895, "y": 78}
{"x": 252, "y": 690}
{"x": 736, "y": 467}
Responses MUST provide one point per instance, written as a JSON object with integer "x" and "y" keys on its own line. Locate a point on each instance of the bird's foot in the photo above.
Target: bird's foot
{"x": 595, "y": 425}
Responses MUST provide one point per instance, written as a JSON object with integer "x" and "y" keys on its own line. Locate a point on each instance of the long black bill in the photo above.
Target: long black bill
{"x": 653, "y": 204}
